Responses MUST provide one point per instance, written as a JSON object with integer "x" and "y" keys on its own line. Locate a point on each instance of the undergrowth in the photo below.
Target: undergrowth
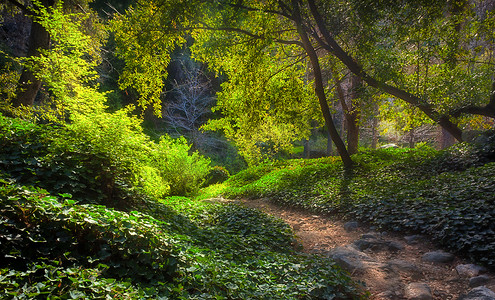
{"x": 445, "y": 194}
{"x": 74, "y": 225}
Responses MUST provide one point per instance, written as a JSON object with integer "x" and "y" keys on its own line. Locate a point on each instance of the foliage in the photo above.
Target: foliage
{"x": 448, "y": 193}
{"x": 145, "y": 41}
{"x": 67, "y": 68}
{"x": 262, "y": 98}
{"x": 107, "y": 152}
{"x": 185, "y": 172}
{"x": 99, "y": 158}
{"x": 438, "y": 51}
{"x": 8, "y": 81}
{"x": 216, "y": 174}
{"x": 57, "y": 248}
{"x": 267, "y": 102}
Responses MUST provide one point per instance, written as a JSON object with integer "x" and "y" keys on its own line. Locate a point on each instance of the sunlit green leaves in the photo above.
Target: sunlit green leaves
{"x": 67, "y": 68}
{"x": 218, "y": 252}
{"x": 266, "y": 103}
{"x": 146, "y": 36}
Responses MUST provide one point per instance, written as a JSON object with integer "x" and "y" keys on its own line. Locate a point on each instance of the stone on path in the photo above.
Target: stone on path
{"x": 438, "y": 257}
{"x": 405, "y": 267}
{"x": 370, "y": 242}
{"x": 479, "y": 293}
{"x": 418, "y": 291}
{"x": 413, "y": 239}
{"x": 478, "y": 281}
{"x": 469, "y": 270}
{"x": 351, "y": 226}
{"x": 351, "y": 259}
{"x": 388, "y": 295}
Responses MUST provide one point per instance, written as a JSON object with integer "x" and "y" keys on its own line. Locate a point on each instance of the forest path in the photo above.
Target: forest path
{"x": 392, "y": 266}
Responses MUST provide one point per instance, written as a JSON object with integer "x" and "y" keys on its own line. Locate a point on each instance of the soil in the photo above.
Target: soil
{"x": 320, "y": 234}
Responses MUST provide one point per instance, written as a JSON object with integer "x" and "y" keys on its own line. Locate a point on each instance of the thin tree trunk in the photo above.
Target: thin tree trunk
{"x": 446, "y": 139}
{"x": 29, "y": 85}
{"x": 350, "y": 113}
{"x": 411, "y": 138}
{"x": 374, "y": 133}
{"x": 329, "y": 144}
{"x": 307, "y": 149}
{"x": 319, "y": 89}
{"x": 352, "y": 116}
{"x": 374, "y": 127}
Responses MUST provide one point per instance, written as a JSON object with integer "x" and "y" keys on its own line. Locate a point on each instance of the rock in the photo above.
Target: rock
{"x": 373, "y": 244}
{"x": 478, "y": 281}
{"x": 368, "y": 236}
{"x": 418, "y": 291}
{"x": 402, "y": 266}
{"x": 351, "y": 226}
{"x": 438, "y": 257}
{"x": 370, "y": 242}
{"x": 395, "y": 246}
{"x": 387, "y": 295}
{"x": 413, "y": 239}
{"x": 479, "y": 293}
{"x": 351, "y": 259}
{"x": 469, "y": 270}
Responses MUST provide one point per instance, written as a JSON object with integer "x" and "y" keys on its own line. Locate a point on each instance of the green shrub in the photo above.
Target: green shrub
{"x": 184, "y": 172}
{"x": 216, "y": 174}
{"x": 101, "y": 158}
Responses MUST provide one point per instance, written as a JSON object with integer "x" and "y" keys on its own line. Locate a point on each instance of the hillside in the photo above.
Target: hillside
{"x": 447, "y": 195}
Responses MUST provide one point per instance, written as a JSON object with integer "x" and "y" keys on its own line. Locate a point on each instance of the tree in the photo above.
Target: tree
{"x": 272, "y": 88}
{"x": 39, "y": 38}
{"x": 441, "y": 112}
{"x": 190, "y": 100}
{"x": 38, "y": 43}
{"x": 235, "y": 29}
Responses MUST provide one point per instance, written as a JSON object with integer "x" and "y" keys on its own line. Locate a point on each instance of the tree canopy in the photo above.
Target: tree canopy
{"x": 434, "y": 56}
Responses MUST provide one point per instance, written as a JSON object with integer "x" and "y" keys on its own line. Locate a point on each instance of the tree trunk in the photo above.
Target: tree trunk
{"x": 307, "y": 149}
{"x": 29, "y": 85}
{"x": 329, "y": 144}
{"x": 350, "y": 112}
{"x": 352, "y": 116}
{"x": 446, "y": 139}
{"x": 319, "y": 89}
{"x": 374, "y": 127}
{"x": 374, "y": 133}
{"x": 411, "y": 138}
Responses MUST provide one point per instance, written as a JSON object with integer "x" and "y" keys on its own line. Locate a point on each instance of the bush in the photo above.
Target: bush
{"x": 99, "y": 158}
{"x": 183, "y": 171}
{"x": 216, "y": 175}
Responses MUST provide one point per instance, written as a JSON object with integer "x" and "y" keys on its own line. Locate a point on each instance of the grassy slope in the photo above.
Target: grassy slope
{"x": 100, "y": 245}
{"x": 447, "y": 194}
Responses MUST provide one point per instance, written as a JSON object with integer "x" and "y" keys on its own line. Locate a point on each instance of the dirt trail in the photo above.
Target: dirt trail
{"x": 390, "y": 266}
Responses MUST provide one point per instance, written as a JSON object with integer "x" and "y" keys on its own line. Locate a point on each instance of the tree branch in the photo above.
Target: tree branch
{"x": 487, "y": 110}
{"x": 333, "y": 47}
{"x": 248, "y": 8}
{"x": 19, "y": 5}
